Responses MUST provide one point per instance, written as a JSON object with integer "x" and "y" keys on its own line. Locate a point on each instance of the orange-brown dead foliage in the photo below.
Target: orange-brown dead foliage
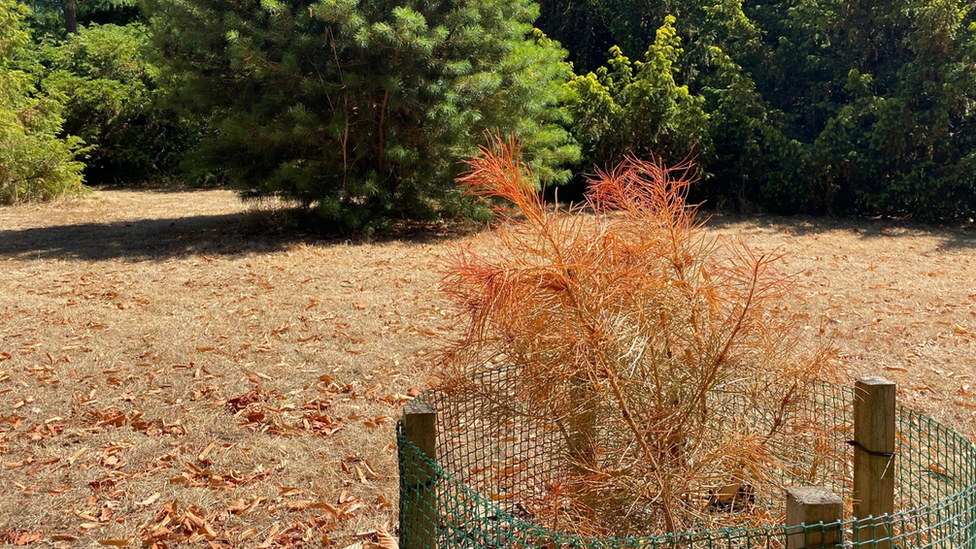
{"x": 664, "y": 356}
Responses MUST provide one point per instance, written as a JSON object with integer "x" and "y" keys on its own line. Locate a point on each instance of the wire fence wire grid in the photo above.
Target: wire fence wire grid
{"x": 492, "y": 469}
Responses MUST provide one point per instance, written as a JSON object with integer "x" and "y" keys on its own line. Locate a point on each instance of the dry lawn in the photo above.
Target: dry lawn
{"x": 172, "y": 370}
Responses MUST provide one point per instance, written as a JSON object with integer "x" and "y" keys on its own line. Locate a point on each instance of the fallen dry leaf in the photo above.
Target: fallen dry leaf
{"x": 150, "y": 500}
{"x": 115, "y": 542}
{"x": 300, "y": 505}
{"x": 271, "y": 536}
{"x": 285, "y": 491}
{"x": 22, "y": 538}
{"x": 384, "y": 538}
{"x": 206, "y": 451}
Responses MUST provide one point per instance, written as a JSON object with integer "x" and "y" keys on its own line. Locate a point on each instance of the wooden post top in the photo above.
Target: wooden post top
{"x": 806, "y": 508}
{"x": 415, "y": 407}
{"x": 874, "y": 380}
{"x": 874, "y": 414}
{"x": 813, "y": 495}
{"x": 420, "y": 426}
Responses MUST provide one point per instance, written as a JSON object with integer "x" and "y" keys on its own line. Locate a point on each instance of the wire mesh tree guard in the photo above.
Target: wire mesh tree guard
{"x": 472, "y": 473}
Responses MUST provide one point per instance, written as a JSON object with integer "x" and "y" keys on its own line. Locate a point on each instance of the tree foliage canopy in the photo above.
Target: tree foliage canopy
{"x": 115, "y": 101}
{"x": 362, "y": 109}
{"x": 824, "y": 106}
{"x": 638, "y": 107}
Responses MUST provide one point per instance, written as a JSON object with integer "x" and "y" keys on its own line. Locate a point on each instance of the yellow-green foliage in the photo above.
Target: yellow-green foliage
{"x": 791, "y": 106}
{"x": 638, "y": 106}
{"x": 35, "y": 164}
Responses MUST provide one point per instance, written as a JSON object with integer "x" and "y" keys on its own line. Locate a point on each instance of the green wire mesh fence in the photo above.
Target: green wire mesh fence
{"x": 494, "y": 468}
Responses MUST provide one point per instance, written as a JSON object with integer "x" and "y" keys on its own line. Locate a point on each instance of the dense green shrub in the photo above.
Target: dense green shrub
{"x": 115, "y": 103}
{"x": 34, "y": 162}
{"x": 362, "y": 110}
{"x": 56, "y": 19}
{"x": 831, "y": 106}
{"x": 883, "y": 95}
{"x": 637, "y": 107}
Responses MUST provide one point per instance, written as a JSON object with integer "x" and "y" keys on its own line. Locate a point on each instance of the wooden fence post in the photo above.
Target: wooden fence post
{"x": 418, "y": 497}
{"x": 874, "y": 459}
{"x": 813, "y": 506}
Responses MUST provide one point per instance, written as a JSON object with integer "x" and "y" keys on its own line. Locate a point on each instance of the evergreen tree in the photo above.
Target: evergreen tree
{"x": 891, "y": 94}
{"x": 638, "y": 107}
{"x": 363, "y": 109}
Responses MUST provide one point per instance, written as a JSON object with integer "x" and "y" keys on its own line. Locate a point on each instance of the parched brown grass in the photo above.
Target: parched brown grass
{"x": 175, "y": 370}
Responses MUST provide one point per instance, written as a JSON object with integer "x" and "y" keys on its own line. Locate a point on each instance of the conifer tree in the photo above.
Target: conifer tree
{"x": 362, "y": 109}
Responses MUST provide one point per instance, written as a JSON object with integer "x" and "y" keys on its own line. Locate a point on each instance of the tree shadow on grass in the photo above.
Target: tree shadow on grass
{"x": 159, "y": 239}
{"x": 952, "y": 237}
{"x": 263, "y": 232}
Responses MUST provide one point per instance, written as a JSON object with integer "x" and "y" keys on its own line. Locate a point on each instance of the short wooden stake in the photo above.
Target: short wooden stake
{"x": 819, "y": 511}
{"x": 418, "y": 497}
{"x": 874, "y": 459}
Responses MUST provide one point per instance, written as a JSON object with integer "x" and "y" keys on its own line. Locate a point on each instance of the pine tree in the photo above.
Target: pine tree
{"x": 362, "y": 110}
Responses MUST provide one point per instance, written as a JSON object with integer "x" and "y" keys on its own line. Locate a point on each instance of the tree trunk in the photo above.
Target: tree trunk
{"x": 71, "y": 17}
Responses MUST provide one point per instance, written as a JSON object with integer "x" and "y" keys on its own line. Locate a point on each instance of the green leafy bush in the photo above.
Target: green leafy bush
{"x": 34, "y": 163}
{"x": 115, "y": 102}
{"x": 833, "y": 107}
{"x": 638, "y": 107}
{"x": 362, "y": 110}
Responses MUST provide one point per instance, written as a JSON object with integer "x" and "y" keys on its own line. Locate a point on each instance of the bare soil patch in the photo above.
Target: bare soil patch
{"x": 172, "y": 370}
